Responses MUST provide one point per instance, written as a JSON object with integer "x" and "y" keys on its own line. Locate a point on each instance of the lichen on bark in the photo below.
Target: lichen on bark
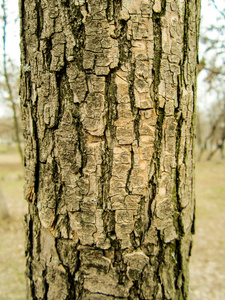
{"x": 107, "y": 98}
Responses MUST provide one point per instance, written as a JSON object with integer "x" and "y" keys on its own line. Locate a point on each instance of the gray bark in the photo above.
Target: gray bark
{"x": 108, "y": 93}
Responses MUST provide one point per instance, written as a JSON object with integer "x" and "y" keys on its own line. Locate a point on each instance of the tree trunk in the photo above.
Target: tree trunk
{"x": 9, "y": 87}
{"x": 4, "y": 212}
{"x": 108, "y": 91}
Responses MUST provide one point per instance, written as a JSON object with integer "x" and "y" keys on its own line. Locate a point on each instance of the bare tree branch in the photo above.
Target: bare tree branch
{"x": 222, "y": 13}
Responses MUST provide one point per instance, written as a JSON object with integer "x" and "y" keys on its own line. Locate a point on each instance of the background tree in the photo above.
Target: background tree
{"x": 108, "y": 92}
{"x": 212, "y": 65}
{"x": 4, "y": 213}
{"x": 10, "y": 84}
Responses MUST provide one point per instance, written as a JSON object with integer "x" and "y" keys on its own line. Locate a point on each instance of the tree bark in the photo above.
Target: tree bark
{"x": 108, "y": 92}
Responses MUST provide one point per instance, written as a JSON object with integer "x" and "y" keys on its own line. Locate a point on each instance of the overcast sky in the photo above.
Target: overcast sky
{"x": 12, "y": 45}
{"x": 209, "y": 15}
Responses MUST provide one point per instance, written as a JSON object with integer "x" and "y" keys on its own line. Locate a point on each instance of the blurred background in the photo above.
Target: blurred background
{"x": 207, "y": 267}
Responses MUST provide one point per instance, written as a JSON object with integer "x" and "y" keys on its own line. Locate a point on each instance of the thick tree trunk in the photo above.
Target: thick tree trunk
{"x": 108, "y": 93}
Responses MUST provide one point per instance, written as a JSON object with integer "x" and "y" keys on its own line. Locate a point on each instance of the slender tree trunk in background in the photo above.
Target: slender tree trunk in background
{"x": 4, "y": 212}
{"x": 108, "y": 93}
{"x": 211, "y": 136}
{"x": 9, "y": 88}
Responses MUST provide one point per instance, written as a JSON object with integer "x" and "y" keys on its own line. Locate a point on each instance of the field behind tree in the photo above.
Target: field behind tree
{"x": 12, "y": 262}
{"x": 207, "y": 269}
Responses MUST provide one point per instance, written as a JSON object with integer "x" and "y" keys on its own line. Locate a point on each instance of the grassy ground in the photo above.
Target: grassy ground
{"x": 207, "y": 268}
{"x": 12, "y": 283}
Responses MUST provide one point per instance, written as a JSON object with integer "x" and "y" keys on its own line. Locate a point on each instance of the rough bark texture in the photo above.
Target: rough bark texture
{"x": 108, "y": 93}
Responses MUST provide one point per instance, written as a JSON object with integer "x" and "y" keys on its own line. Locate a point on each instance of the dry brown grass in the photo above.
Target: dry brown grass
{"x": 12, "y": 262}
{"x": 207, "y": 268}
